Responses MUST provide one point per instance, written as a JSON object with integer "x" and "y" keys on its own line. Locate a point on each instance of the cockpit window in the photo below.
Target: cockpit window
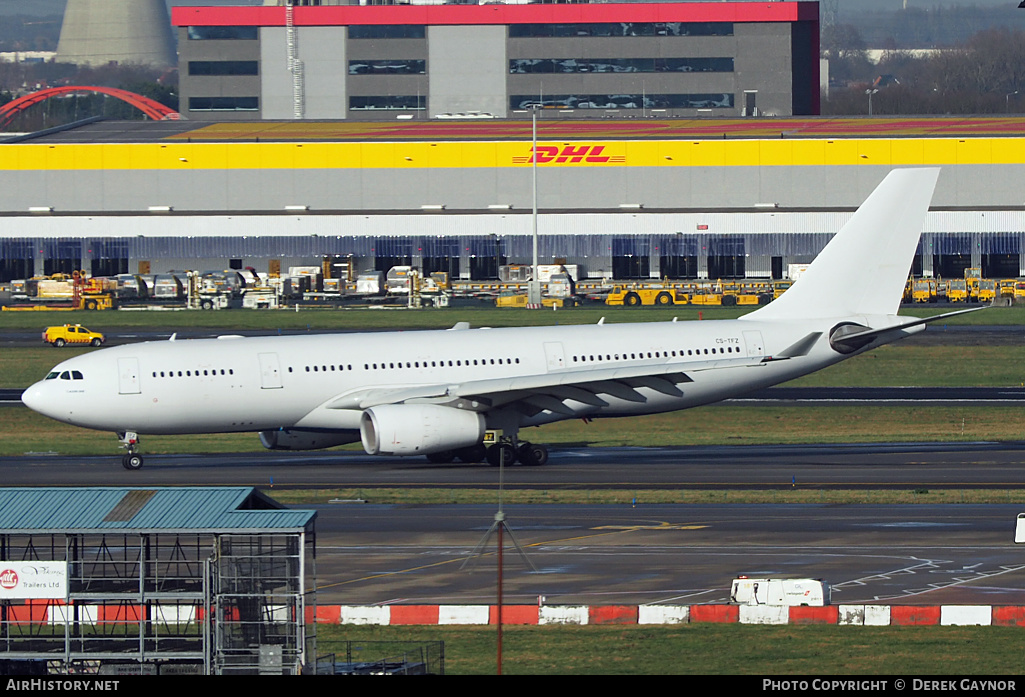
{"x": 76, "y": 375}
{"x": 66, "y": 375}
{"x": 52, "y": 376}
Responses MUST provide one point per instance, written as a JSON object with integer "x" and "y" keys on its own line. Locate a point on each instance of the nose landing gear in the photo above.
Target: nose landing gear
{"x": 130, "y": 442}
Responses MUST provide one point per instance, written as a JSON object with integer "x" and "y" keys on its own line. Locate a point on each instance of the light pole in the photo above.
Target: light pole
{"x": 870, "y": 92}
{"x": 534, "y": 285}
{"x": 1007, "y": 100}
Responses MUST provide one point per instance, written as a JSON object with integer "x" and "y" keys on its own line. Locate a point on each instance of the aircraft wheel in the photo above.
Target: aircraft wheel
{"x": 441, "y": 458}
{"x": 533, "y": 455}
{"x": 473, "y": 454}
{"x": 132, "y": 462}
{"x": 501, "y": 454}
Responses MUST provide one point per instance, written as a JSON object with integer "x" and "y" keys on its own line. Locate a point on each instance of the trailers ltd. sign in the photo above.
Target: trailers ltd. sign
{"x": 21, "y": 580}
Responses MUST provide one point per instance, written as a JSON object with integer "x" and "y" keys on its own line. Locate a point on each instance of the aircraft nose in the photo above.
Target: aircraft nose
{"x": 33, "y": 398}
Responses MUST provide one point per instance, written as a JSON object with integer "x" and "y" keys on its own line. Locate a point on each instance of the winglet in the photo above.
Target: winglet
{"x": 863, "y": 269}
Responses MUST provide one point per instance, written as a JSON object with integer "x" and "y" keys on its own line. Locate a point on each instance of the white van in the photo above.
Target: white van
{"x": 779, "y": 591}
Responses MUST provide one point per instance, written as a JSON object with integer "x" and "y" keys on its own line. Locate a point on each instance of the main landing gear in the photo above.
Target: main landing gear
{"x": 131, "y": 459}
{"x": 507, "y": 452}
{"x": 504, "y": 452}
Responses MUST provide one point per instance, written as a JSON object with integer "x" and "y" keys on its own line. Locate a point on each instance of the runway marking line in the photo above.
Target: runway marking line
{"x": 661, "y": 526}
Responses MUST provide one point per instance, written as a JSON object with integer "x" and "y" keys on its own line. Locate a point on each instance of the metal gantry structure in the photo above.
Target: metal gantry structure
{"x": 220, "y": 597}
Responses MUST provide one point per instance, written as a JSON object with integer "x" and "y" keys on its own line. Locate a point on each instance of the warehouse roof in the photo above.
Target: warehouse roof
{"x": 156, "y": 509}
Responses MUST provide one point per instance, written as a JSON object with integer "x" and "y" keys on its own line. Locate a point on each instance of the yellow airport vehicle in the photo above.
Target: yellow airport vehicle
{"x": 987, "y": 290}
{"x": 72, "y": 334}
{"x": 957, "y": 291}
{"x": 923, "y": 290}
{"x": 94, "y": 293}
{"x": 709, "y": 297}
{"x": 972, "y": 276}
{"x": 514, "y": 299}
{"x": 652, "y": 295}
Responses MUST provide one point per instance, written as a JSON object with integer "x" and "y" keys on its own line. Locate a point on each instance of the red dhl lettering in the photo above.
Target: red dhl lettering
{"x": 547, "y": 154}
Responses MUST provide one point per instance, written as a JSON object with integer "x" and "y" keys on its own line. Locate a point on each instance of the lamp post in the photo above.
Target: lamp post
{"x": 534, "y": 285}
{"x": 870, "y": 92}
{"x": 1007, "y": 100}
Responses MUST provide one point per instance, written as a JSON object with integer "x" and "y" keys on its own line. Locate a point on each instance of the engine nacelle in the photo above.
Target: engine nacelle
{"x": 297, "y": 439}
{"x": 418, "y": 429}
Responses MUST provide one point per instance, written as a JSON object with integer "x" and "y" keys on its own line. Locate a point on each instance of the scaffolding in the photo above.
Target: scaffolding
{"x": 228, "y": 599}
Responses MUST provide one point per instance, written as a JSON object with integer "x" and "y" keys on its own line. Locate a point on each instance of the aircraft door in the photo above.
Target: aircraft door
{"x": 555, "y": 356}
{"x": 128, "y": 376}
{"x": 270, "y": 371}
{"x": 755, "y": 347}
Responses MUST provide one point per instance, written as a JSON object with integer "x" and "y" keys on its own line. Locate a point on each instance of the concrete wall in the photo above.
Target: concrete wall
{"x": 323, "y": 53}
{"x": 467, "y": 69}
{"x": 475, "y": 188}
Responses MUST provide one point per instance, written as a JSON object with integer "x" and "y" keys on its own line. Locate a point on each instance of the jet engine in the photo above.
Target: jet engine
{"x": 298, "y": 439}
{"x": 418, "y": 429}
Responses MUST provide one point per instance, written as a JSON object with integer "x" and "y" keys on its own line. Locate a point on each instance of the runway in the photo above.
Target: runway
{"x": 851, "y": 466}
{"x": 669, "y": 554}
{"x": 372, "y": 553}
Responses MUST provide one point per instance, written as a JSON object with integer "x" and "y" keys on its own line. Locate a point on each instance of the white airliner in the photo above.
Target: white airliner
{"x": 440, "y": 393}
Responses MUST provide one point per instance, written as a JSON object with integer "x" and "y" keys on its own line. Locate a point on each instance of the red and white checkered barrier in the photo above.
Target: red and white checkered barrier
{"x": 53, "y": 612}
{"x": 844, "y": 615}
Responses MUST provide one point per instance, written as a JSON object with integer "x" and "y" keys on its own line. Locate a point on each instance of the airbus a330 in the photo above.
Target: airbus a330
{"x": 440, "y": 393}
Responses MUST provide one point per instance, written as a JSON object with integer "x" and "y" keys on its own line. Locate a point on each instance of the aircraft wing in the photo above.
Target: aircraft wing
{"x": 532, "y": 394}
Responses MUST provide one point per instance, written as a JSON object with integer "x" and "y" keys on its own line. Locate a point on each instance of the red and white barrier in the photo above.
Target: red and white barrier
{"x": 53, "y": 612}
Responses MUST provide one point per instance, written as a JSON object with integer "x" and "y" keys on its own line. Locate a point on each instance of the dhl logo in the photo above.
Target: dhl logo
{"x": 572, "y": 154}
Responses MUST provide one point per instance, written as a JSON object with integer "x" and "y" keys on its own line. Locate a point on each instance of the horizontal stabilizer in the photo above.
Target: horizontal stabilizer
{"x": 856, "y": 339}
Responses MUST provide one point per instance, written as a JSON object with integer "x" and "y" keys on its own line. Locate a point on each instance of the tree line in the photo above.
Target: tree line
{"x": 983, "y": 75}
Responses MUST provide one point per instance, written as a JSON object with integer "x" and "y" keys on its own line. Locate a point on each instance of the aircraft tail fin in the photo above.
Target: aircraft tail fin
{"x": 863, "y": 269}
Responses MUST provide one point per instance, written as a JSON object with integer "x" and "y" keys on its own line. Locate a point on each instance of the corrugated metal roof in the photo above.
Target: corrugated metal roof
{"x": 159, "y": 509}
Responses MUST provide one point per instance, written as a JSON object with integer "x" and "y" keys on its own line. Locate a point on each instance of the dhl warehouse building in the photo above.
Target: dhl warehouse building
{"x": 626, "y": 192}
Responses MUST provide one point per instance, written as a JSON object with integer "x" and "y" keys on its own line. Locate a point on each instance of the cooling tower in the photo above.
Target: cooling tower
{"x": 97, "y": 32}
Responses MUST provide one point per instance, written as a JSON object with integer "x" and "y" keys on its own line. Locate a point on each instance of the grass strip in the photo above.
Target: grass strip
{"x": 480, "y": 313}
{"x": 709, "y": 649}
